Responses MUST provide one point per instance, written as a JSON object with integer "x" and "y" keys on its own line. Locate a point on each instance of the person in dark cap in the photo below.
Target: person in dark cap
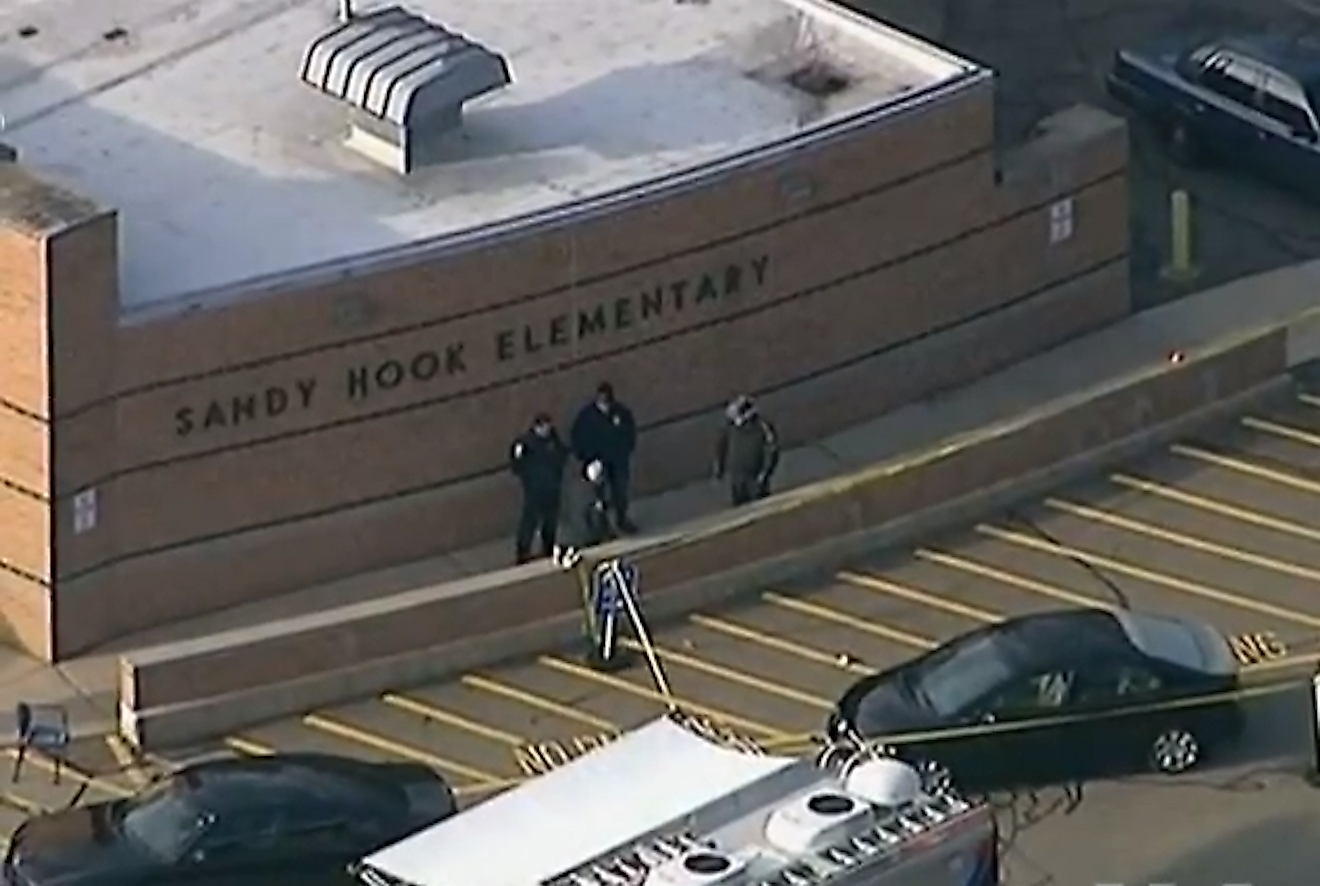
{"x": 746, "y": 451}
{"x": 605, "y": 431}
{"x": 537, "y": 459}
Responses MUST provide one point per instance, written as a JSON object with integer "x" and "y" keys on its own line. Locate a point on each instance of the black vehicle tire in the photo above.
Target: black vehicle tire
{"x": 1174, "y": 751}
{"x": 1181, "y": 144}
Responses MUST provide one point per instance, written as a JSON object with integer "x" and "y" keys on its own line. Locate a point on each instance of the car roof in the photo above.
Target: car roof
{"x": 1046, "y": 639}
{"x": 278, "y": 779}
{"x": 1297, "y": 56}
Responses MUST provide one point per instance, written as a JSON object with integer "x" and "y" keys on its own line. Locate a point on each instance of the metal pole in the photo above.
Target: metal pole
{"x": 1182, "y": 266}
{"x": 345, "y": 11}
{"x": 643, "y": 637}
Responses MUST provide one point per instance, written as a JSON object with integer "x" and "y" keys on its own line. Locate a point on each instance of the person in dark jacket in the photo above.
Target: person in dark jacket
{"x": 537, "y": 459}
{"x": 584, "y": 521}
{"x": 747, "y": 451}
{"x": 605, "y": 431}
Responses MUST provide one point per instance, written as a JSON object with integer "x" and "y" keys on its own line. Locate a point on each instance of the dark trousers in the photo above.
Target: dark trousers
{"x": 618, "y": 481}
{"x": 745, "y": 489}
{"x": 540, "y": 516}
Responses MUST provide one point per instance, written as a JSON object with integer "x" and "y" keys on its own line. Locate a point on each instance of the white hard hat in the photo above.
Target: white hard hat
{"x": 595, "y": 470}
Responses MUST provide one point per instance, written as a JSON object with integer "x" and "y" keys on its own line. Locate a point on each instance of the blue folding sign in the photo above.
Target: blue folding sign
{"x": 605, "y": 590}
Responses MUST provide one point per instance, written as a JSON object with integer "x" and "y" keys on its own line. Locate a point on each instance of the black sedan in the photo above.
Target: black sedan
{"x": 1249, "y": 102}
{"x": 1054, "y": 697}
{"x": 286, "y": 819}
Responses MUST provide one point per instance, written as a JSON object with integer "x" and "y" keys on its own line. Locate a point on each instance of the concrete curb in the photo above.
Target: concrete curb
{"x": 877, "y": 507}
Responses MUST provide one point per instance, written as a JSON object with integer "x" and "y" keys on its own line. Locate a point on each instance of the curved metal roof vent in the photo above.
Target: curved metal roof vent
{"x": 812, "y": 822}
{"x": 703, "y": 867}
{"x": 404, "y": 79}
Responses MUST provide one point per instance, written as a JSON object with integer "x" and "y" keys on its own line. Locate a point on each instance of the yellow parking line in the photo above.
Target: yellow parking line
{"x": 735, "y": 676}
{"x": 128, "y": 764}
{"x": 779, "y": 644}
{"x": 247, "y": 747}
{"x": 360, "y": 736}
{"x": 45, "y": 764}
{"x": 428, "y": 711}
{"x": 921, "y": 597}
{"x": 537, "y": 702}
{"x": 1172, "y": 582}
{"x": 1247, "y": 468}
{"x": 1215, "y": 506}
{"x": 1309, "y": 399}
{"x": 22, "y": 804}
{"x": 622, "y": 685}
{"x": 1285, "y": 432}
{"x": 1191, "y": 542}
{"x": 848, "y": 620}
{"x": 1012, "y": 579}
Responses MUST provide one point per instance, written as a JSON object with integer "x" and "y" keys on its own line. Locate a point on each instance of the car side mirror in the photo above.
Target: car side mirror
{"x": 988, "y": 717}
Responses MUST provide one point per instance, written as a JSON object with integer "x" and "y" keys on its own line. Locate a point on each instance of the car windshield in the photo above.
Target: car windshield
{"x": 163, "y": 819}
{"x": 961, "y": 674}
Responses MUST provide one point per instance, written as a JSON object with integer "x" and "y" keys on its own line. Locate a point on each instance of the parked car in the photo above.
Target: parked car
{"x": 284, "y": 819}
{"x": 1248, "y": 102}
{"x": 1053, "y": 698}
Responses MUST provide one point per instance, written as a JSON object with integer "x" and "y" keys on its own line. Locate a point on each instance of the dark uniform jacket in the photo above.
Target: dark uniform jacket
{"x": 538, "y": 462}
{"x": 608, "y": 436}
{"x": 583, "y": 519}
{"x": 747, "y": 451}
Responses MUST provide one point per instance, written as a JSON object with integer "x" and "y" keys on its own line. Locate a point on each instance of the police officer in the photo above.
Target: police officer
{"x": 605, "y": 431}
{"x": 585, "y": 520}
{"x": 537, "y": 460}
{"x": 747, "y": 451}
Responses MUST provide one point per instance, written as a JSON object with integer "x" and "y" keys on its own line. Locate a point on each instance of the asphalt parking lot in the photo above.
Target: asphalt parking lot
{"x": 1050, "y": 54}
{"x": 1223, "y": 528}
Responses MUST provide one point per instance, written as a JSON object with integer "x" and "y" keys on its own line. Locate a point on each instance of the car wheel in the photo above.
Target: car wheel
{"x": 1174, "y": 751}
{"x": 1182, "y": 145}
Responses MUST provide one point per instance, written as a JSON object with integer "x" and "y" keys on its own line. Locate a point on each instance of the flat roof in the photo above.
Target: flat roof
{"x": 191, "y": 119}
{"x": 644, "y": 780}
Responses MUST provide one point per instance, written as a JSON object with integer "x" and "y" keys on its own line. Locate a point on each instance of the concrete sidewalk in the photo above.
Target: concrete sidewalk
{"x": 87, "y": 685}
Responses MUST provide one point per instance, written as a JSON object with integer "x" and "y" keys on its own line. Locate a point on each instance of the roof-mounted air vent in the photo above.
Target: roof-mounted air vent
{"x": 810, "y": 823}
{"x": 404, "y": 79}
{"x": 703, "y": 867}
{"x": 886, "y": 782}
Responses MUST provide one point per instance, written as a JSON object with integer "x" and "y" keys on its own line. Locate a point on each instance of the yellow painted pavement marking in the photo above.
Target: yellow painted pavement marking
{"x": 1247, "y": 468}
{"x": 1191, "y": 542}
{"x": 429, "y": 711}
{"x": 918, "y": 596}
{"x": 735, "y": 676}
{"x": 1216, "y": 506}
{"x": 22, "y": 804}
{"x": 128, "y": 764}
{"x": 866, "y": 626}
{"x": 352, "y": 733}
{"x": 479, "y": 790}
{"x": 537, "y": 702}
{"x": 1309, "y": 399}
{"x": 1195, "y": 589}
{"x": 779, "y": 644}
{"x": 1012, "y": 579}
{"x": 247, "y": 747}
{"x": 1282, "y": 431}
{"x": 45, "y": 764}
{"x": 630, "y": 688}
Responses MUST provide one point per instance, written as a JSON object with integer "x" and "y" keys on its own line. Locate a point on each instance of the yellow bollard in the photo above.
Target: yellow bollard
{"x": 1181, "y": 267}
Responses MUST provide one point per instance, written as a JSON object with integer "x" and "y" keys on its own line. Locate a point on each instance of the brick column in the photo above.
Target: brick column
{"x": 59, "y": 303}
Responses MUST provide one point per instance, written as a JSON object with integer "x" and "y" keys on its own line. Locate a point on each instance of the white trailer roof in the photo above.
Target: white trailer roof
{"x": 558, "y": 821}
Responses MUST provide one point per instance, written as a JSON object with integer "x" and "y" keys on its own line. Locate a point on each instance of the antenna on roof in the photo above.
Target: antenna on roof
{"x": 345, "y": 11}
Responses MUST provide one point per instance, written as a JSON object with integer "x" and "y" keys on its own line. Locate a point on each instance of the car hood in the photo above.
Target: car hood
{"x": 881, "y": 707}
{"x": 73, "y": 846}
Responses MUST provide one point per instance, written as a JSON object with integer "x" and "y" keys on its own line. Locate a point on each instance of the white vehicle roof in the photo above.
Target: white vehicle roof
{"x": 643, "y": 781}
